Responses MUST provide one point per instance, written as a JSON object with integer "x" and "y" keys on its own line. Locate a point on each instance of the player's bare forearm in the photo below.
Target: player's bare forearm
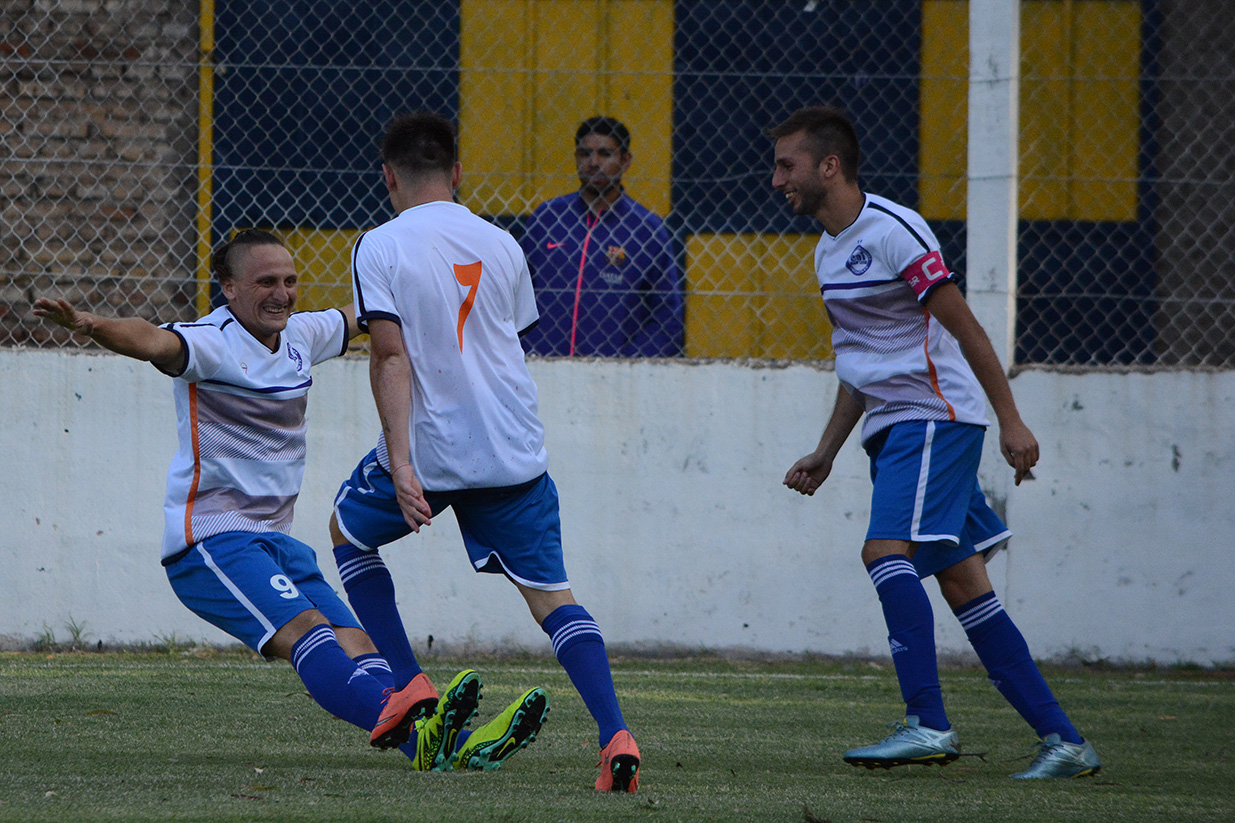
{"x": 1016, "y": 442}
{"x": 390, "y": 380}
{"x": 807, "y": 474}
{"x": 130, "y": 336}
{"x": 390, "y": 377}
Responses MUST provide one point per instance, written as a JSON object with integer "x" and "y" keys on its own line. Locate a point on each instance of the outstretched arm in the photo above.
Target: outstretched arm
{"x": 390, "y": 375}
{"x": 130, "y": 336}
{"x": 807, "y": 475}
{"x": 1016, "y": 441}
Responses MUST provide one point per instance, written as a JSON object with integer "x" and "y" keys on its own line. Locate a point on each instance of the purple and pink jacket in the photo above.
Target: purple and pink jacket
{"x": 606, "y": 285}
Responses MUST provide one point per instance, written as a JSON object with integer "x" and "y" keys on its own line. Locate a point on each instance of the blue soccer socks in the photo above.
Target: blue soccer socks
{"x": 371, "y": 593}
{"x": 911, "y": 637}
{"x": 377, "y": 666}
{"x": 580, "y": 648}
{"x": 334, "y": 680}
{"x": 1004, "y": 653}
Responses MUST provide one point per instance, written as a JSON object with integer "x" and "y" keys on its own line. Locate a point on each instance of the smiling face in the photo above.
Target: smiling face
{"x": 800, "y": 176}
{"x": 262, "y": 290}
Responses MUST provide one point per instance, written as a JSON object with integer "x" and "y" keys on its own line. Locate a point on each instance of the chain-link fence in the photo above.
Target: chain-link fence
{"x": 139, "y": 133}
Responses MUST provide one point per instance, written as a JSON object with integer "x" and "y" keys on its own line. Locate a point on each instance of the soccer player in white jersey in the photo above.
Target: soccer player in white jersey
{"x": 241, "y": 381}
{"x": 445, "y": 296}
{"x": 911, "y": 356}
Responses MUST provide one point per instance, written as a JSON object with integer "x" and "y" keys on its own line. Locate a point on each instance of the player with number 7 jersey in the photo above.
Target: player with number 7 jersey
{"x": 459, "y": 290}
{"x": 445, "y": 296}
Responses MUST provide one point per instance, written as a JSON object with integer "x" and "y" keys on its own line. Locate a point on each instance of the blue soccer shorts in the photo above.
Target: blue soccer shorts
{"x": 925, "y": 476}
{"x": 251, "y": 584}
{"x": 512, "y": 530}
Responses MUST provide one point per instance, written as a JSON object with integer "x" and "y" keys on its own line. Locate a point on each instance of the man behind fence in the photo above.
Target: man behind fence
{"x": 444, "y": 296}
{"x": 911, "y": 356}
{"x": 607, "y": 281}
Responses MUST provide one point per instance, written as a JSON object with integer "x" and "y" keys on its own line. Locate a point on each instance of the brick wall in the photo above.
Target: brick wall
{"x": 99, "y": 168}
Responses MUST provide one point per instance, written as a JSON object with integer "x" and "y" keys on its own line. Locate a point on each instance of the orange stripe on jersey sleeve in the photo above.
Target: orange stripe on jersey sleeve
{"x": 930, "y": 365}
{"x": 197, "y": 467}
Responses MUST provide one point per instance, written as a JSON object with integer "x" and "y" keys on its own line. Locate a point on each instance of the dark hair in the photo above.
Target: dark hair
{"x": 605, "y": 127}
{"x": 418, "y": 143}
{"x": 829, "y": 131}
{"x": 222, "y": 266}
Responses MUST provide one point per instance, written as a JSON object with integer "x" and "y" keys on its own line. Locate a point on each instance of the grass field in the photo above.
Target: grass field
{"x": 222, "y": 736}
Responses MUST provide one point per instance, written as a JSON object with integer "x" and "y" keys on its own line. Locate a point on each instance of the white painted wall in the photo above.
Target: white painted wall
{"x": 676, "y": 527}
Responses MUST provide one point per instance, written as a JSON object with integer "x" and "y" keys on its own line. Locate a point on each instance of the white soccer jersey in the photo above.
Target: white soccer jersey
{"x": 891, "y": 354}
{"x": 240, "y": 412}
{"x": 460, "y": 289}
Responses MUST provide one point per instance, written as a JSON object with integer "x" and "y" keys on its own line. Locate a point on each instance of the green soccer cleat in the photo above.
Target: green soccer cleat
{"x": 436, "y": 735}
{"x": 493, "y": 743}
{"x": 1059, "y": 759}
{"x": 908, "y": 744}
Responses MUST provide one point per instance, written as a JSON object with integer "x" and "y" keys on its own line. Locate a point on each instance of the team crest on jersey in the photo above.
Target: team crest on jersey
{"x": 616, "y": 256}
{"x": 859, "y": 261}
{"x": 295, "y": 357}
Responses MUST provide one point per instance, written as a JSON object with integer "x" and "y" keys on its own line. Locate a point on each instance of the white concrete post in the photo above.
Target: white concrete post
{"x": 994, "y": 74}
{"x": 991, "y": 209}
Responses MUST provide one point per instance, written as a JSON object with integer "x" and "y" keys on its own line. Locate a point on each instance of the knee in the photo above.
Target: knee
{"x": 872, "y": 550}
{"x": 963, "y": 582}
{"x": 354, "y": 641}
{"x": 542, "y": 603}
{"x": 281, "y": 643}
{"x": 336, "y": 536}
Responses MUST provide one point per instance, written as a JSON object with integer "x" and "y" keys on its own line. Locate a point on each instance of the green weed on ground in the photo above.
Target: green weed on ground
{"x": 204, "y": 736}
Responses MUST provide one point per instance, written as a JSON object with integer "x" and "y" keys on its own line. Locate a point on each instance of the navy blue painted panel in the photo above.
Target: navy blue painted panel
{"x": 1086, "y": 295}
{"x": 744, "y": 65}
{"x": 302, "y": 92}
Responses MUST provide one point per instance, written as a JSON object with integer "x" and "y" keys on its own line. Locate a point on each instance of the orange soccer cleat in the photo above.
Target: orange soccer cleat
{"x": 619, "y": 765}
{"x": 413, "y": 702}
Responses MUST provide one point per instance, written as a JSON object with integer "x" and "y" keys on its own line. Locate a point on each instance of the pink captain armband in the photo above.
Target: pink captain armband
{"x": 925, "y": 272}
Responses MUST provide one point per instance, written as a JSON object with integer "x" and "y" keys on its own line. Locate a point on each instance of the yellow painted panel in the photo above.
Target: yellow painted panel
{"x": 531, "y": 70}
{"x": 943, "y": 138}
{"x": 1046, "y": 106}
{"x": 753, "y": 295}
{"x": 1105, "y": 139}
{"x": 495, "y": 115}
{"x": 1079, "y": 109}
{"x": 324, "y": 261}
{"x": 570, "y": 69}
{"x": 640, "y": 94}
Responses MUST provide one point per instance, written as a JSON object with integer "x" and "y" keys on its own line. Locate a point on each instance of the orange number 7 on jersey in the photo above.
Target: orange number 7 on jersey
{"x": 467, "y": 275}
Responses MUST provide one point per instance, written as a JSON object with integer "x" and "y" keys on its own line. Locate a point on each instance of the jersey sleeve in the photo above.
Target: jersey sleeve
{"x": 911, "y": 250}
{"x": 323, "y": 332}
{"x": 526, "y": 314}
{"x": 372, "y": 269}
{"x": 205, "y": 349}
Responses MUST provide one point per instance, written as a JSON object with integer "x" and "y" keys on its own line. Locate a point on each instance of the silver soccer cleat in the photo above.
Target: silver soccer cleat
{"x": 1058, "y": 759}
{"x": 908, "y": 744}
